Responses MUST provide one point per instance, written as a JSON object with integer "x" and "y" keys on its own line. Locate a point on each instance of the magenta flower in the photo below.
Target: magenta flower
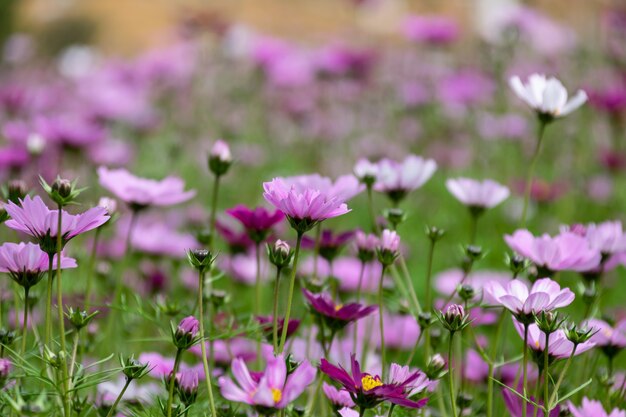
{"x": 266, "y": 323}
{"x": 34, "y": 218}
{"x": 344, "y": 187}
{"x": 142, "y": 192}
{"x": 544, "y": 295}
{"x": 336, "y": 316}
{"x": 304, "y": 207}
{"x": 613, "y": 338}
{"x": 367, "y": 391}
{"x": 593, "y": 408}
{"x": 435, "y": 30}
{"x": 257, "y": 222}
{"x": 330, "y": 243}
{"x": 339, "y": 398}
{"x": 26, "y": 262}
{"x": 566, "y": 251}
{"x": 477, "y": 194}
{"x": 559, "y": 347}
{"x": 188, "y": 327}
{"x": 515, "y": 406}
{"x": 397, "y": 179}
{"x": 269, "y": 391}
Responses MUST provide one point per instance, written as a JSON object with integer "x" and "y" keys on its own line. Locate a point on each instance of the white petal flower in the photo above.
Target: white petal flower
{"x": 547, "y": 96}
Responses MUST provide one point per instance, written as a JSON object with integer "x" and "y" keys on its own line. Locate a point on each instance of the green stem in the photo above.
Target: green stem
{"x": 546, "y": 374}
{"x": 49, "y": 300}
{"x": 292, "y": 284}
{"x": 91, "y": 269}
{"x": 531, "y": 171}
{"x": 170, "y": 397}
{"x": 316, "y": 250}
{"x": 370, "y": 206}
{"x": 74, "y": 353}
{"x": 205, "y": 364}
{"x": 257, "y": 300}
{"x": 381, "y": 322}
{"x": 391, "y": 407}
{"x": 25, "y": 321}
{"x": 429, "y": 272}
{"x": 119, "y": 397}
{"x": 494, "y": 353}
{"x": 216, "y": 187}
{"x": 473, "y": 228}
{"x": 275, "y": 312}
{"x": 66, "y": 381}
{"x": 451, "y": 376}
{"x": 560, "y": 380}
{"x": 524, "y": 372}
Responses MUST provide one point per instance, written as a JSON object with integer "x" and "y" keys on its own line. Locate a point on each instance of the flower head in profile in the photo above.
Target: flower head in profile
{"x": 607, "y": 237}
{"x": 220, "y": 158}
{"x": 397, "y": 179}
{"x": 366, "y": 244}
{"x": 304, "y": 207}
{"x": 547, "y": 96}
{"x": 336, "y": 316}
{"x": 366, "y": 172}
{"x": 544, "y": 295}
{"x": 477, "y": 195}
{"x": 339, "y": 398}
{"x": 559, "y": 346}
{"x": 329, "y": 244}
{"x": 566, "y": 251}
{"x": 388, "y": 248}
{"x": 26, "y": 263}
{"x": 258, "y": 221}
{"x": 266, "y": 323}
{"x": 140, "y": 192}
{"x": 34, "y": 218}
{"x": 611, "y": 339}
{"x": 593, "y": 408}
{"x": 269, "y": 391}
{"x": 367, "y": 391}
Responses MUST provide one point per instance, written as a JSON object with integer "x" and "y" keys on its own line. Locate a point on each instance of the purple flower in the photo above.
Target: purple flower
{"x": 339, "y": 398}
{"x": 477, "y": 194}
{"x": 547, "y": 96}
{"x": 257, "y": 222}
{"x": 142, "y": 192}
{"x": 336, "y": 315}
{"x": 612, "y": 337}
{"x": 344, "y": 187}
{"x": 544, "y": 295}
{"x": 304, "y": 207}
{"x": 607, "y": 237}
{"x": 559, "y": 347}
{"x": 34, "y": 218}
{"x": 5, "y": 368}
{"x": 515, "y": 405}
{"x": 26, "y": 262}
{"x": 188, "y": 326}
{"x": 266, "y": 323}
{"x": 397, "y": 179}
{"x": 271, "y": 390}
{"x": 566, "y": 251}
{"x": 368, "y": 391}
{"x": 330, "y": 243}
{"x": 436, "y": 30}
{"x": 593, "y": 408}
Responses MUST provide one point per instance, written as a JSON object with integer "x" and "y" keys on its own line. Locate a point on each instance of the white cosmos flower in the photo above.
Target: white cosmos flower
{"x": 547, "y": 96}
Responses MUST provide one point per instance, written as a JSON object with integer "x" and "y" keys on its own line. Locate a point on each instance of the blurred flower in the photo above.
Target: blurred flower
{"x": 605, "y": 335}
{"x": 257, "y": 221}
{"x": 515, "y": 405}
{"x": 547, "y": 96}
{"x": 336, "y": 316}
{"x": 479, "y": 194}
{"x": 397, "y": 179}
{"x": 26, "y": 262}
{"x": 266, "y": 323}
{"x": 435, "y": 30}
{"x": 220, "y": 158}
{"x": 338, "y": 398}
{"x": 559, "y": 347}
{"x": 446, "y": 282}
{"x": 330, "y": 243}
{"x": 593, "y": 408}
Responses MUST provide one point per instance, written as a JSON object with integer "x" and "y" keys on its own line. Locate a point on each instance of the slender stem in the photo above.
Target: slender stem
{"x": 451, "y": 376}
{"x": 49, "y": 300}
{"x": 381, "y": 322}
{"x": 257, "y": 300}
{"x": 370, "y": 206}
{"x": 91, "y": 269}
{"x": 531, "y": 171}
{"x": 546, "y": 373}
{"x": 25, "y": 321}
{"x": 407, "y": 276}
{"x": 473, "y": 227}
{"x": 216, "y": 187}
{"x": 494, "y": 352}
{"x": 414, "y": 350}
{"x": 66, "y": 381}
{"x": 74, "y": 353}
{"x": 316, "y": 250}
{"x": 524, "y": 372}
{"x": 292, "y": 284}
{"x": 205, "y": 364}
{"x": 358, "y": 300}
{"x": 429, "y": 272}
{"x": 361, "y": 411}
{"x": 275, "y": 312}
{"x": 555, "y": 392}
{"x": 119, "y": 397}
{"x": 391, "y": 407}
{"x": 170, "y": 397}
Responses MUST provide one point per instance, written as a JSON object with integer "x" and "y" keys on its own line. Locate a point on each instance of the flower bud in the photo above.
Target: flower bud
{"x": 132, "y": 368}
{"x": 200, "y": 259}
{"x": 388, "y": 247}
{"x": 365, "y": 245}
{"x": 6, "y": 337}
{"x": 548, "y": 321}
{"x": 16, "y": 190}
{"x": 466, "y": 292}
{"x": 280, "y": 254}
{"x": 425, "y": 320}
{"x": 4, "y": 216}
{"x": 436, "y": 367}
{"x": 218, "y": 298}
{"x": 62, "y": 186}
{"x": 220, "y": 158}
{"x": 52, "y": 358}
{"x": 186, "y": 333}
{"x": 464, "y": 400}
{"x": 187, "y": 386}
{"x": 168, "y": 306}
{"x": 516, "y": 263}
{"x": 578, "y": 335}
{"x": 395, "y": 216}
{"x": 62, "y": 191}
{"x": 434, "y": 233}
{"x": 454, "y": 318}
{"x": 366, "y": 172}
{"x": 80, "y": 318}
{"x": 5, "y": 370}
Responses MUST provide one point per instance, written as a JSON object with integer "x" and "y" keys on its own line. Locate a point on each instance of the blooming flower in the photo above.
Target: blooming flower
{"x": 266, "y": 323}
{"x": 271, "y": 390}
{"x": 477, "y": 194}
{"x": 257, "y": 222}
{"x": 566, "y": 251}
{"x": 607, "y": 237}
{"x": 34, "y": 218}
{"x": 304, "y": 208}
{"x": 339, "y": 398}
{"x": 366, "y": 171}
{"x": 344, "y": 187}
{"x": 329, "y": 243}
{"x": 336, "y": 315}
{"x": 368, "y": 391}
{"x": 559, "y": 347}
{"x": 547, "y": 96}
{"x": 26, "y": 262}
{"x": 593, "y": 408}
{"x": 397, "y": 179}
{"x": 143, "y": 192}
{"x": 515, "y": 405}
{"x": 544, "y": 295}
{"x": 607, "y": 336}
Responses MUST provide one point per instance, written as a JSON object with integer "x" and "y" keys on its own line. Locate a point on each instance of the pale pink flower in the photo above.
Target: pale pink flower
{"x": 547, "y": 96}
{"x": 479, "y": 194}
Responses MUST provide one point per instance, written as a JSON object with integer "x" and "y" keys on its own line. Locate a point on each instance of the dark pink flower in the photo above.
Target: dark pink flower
{"x": 336, "y": 315}
{"x": 436, "y": 30}
{"x": 257, "y": 221}
{"x": 515, "y": 405}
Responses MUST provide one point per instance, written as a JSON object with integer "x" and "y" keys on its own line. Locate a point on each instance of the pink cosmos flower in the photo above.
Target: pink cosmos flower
{"x": 336, "y": 316}
{"x": 479, "y": 194}
{"x": 397, "y": 179}
{"x": 389, "y": 241}
{"x": 221, "y": 150}
{"x": 607, "y": 335}
{"x": 344, "y": 187}
{"x": 34, "y": 218}
{"x": 272, "y": 389}
{"x": 547, "y": 96}
{"x": 303, "y": 206}
{"x": 26, "y": 262}
{"x": 142, "y": 192}
{"x": 566, "y": 251}
{"x": 544, "y": 295}
{"x": 593, "y": 408}
{"x": 339, "y": 398}
{"x": 365, "y": 171}
{"x": 257, "y": 221}
{"x": 559, "y": 347}
{"x": 607, "y": 237}
{"x": 515, "y": 406}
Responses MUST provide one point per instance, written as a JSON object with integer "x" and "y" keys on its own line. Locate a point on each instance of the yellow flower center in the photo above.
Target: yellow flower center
{"x": 338, "y": 307}
{"x": 277, "y": 395}
{"x": 536, "y": 343}
{"x": 369, "y": 382}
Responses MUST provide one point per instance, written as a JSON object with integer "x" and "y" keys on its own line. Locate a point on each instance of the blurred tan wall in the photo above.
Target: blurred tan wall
{"x": 125, "y": 26}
